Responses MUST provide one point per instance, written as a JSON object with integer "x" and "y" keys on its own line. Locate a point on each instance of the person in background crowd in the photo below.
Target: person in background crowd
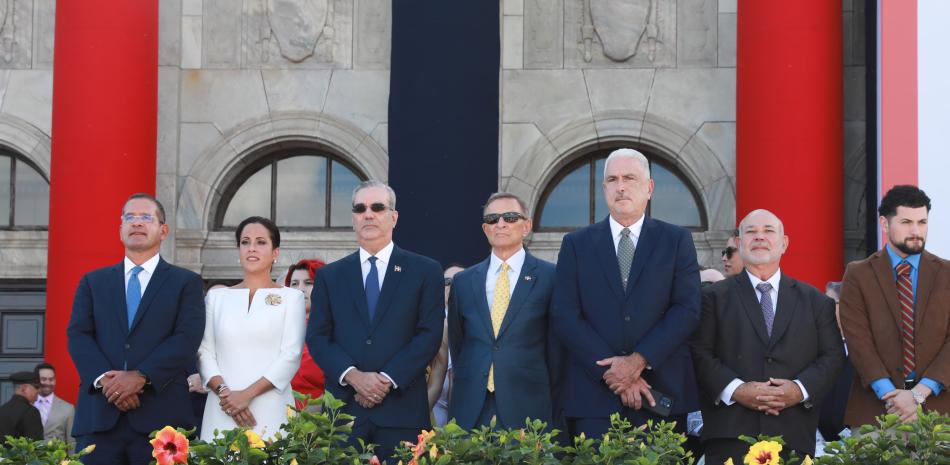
{"x": 440, "y": 393}
{"x": 133, "y": 335}
{"x": 831, "y": 422}
{"x": 708, "y": 276}
{"x": 309, "y": 378}
{"x": 767, "y": 350}
{"x": 57, "y": 414}
{"x": 252, "y": 341}
{"x": 377, "y": 322}
{"x": 895, "y": 314}
{"x": 731, "y": 260}
{"x": 18, "y": 417}
{"x": 499, "y": 313}
{"x": 626, "y": 301}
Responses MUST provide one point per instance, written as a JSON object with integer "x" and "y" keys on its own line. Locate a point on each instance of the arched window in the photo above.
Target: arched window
{"x": 575, "y": 197}
{"x": 303, "y": 189}
{"x": 24, "y": 194}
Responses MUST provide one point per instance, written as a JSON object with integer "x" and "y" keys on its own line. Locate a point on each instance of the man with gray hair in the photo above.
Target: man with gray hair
{"x": 625, "y": 302}
{"x": 376, "y": 322}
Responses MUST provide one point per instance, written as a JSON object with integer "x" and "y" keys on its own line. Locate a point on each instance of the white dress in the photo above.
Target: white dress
{"x": 243, "y": 344}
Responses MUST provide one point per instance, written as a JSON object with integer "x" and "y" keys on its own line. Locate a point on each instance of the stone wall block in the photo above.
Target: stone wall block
{"x": 29, "y": 96}
{"x": 191, "y": 38}
{"x": 169, "y": 78}
{"x": 697, "y": 30}
{"x": 549, "y": 98}
{"x": 44, "y": 31}
{"x": 512, "y": 47}
{"x": 543, "y": 33}
{"x": 373, "y": 31}
{"x": 360, "y": 97}
{"x": 296, "y": 90}
{"x": 169, "y": 31}
{"x": 222, "y": 24}
{"x": 727, "y": 40}
{"x": 516, "y": 141}
{"x": 691, "y": 97}
{"x": 226, "y": 98}
{"x": 619, "y": 89}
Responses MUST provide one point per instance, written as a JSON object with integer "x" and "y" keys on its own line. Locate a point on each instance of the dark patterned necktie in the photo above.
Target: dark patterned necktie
{"x": 625, "y": 256}
{"x": 905, "y": 293}
{"x": 768, "y": 307}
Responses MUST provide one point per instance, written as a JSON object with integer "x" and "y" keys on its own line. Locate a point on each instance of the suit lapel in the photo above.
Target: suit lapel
{"x": 788, "y": 304}
{"x": 353, "y": 275}
{"x": 523, "y": 287}
{"x": 118, "y": 284}
{"x": 151, "y": 290}
{"x": 390, "y": 284}
{"x": 607, "y": 254}
{"x": 646, "y": 244}
{"x": 881, "y": 264}
{"x": 751, "y": 305}
{"x": 926, "y": 277}
{"x": 482, "y": 307}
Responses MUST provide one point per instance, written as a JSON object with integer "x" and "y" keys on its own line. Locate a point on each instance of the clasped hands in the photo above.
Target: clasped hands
{"x": 770, "y": 397}
{"x": 901, "y": 402}
{"x": 371, "y": 387}
{"x": 122, "y": 388}
{"x": 623, "y": 378}
{"x": 235, "y": 404}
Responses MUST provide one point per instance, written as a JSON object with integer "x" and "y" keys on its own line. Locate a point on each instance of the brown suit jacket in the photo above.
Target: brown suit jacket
{"x": 870, "y": 316}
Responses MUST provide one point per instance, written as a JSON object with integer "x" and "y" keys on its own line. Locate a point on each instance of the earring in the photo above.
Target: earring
{"x": 275, "y": 261}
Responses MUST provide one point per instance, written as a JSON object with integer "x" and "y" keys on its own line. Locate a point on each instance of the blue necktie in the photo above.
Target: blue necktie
{"x": 133, "y": 294}
{"x": 372, "y": 288}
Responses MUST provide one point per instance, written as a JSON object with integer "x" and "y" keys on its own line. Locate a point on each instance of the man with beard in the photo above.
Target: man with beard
{"x": 895, "y": 314}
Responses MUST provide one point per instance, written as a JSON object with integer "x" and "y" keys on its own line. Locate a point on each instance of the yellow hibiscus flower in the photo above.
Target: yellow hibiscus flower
{"x": 763, "y": 453}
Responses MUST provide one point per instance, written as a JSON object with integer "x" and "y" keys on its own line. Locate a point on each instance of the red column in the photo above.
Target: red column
{"x": 789, "y": 128}
{"x": 105, "y": 84}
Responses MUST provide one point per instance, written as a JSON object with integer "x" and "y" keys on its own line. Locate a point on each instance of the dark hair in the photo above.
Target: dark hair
{"x": 271, "y": 228}
{"x": 505, "y": 195}
{"x": 310, "y": 265}
{"x": 902, "y": 196}
{"x": 44, "y": 366}
{"x": 143, "y": 195}
{"x": 451, "y": 265}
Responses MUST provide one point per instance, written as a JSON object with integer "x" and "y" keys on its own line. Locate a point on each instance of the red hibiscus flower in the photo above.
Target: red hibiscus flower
{"x": 170, "y": 447}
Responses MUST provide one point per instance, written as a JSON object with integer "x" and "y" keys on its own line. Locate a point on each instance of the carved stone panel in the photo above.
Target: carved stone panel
{"x": 373, "y": 33}
{"x": 296, "y": 25}
{"x": 221, "y": 34}
{"x": 619, "y": 33}
{"x": 16, "y": 34}
{"x": 298, "y": 34}
{"x": 697, "y": 32}
{"x": 544, "y": 33}
{"x": 44, "y": 24}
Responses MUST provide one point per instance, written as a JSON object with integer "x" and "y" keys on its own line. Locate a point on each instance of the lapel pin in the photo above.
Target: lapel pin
{"x": 397, "y": 268}
{"x": 528, "y": 278}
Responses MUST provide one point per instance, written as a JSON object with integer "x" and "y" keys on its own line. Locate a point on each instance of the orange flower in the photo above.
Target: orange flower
{"x": 169, "y": 447}
{"x": 763, "y": 453}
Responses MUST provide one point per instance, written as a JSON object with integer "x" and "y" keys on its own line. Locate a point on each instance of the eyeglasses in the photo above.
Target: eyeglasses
{"x": 728, "y": 251}
{"x": 130, "y": 218}
{"x": 509, "y": 217}
{"x": 448, "y": 281}
{"x": 376, "y": 207}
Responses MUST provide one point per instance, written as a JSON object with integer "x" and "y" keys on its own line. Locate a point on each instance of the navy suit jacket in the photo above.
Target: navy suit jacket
{"x": 400, "y": 341}
{"x": 595, "y": 319}
{"x": 161, "y": 343}
{"x": 520, "y": 353}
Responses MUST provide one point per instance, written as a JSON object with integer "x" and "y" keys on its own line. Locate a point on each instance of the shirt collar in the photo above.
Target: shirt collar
{"x": 773, "y": 280}
{"x": 148, "y": 266}
{"x": 381, "y": 256}
{"x": 515, "y": 262}
{"x": 635, "y": 228}
{"x": 914, "y": 259}
{"x": 48, "y": 398}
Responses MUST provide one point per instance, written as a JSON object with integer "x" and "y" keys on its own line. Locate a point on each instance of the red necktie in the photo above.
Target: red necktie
{"x": 905, "y": 292}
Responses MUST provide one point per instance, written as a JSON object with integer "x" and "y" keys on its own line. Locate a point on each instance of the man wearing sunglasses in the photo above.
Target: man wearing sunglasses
{"x": 377, "y": 321}
{"x": 498, "y": 326}
{"x": 731, "y": 258}
{"x": 626, "y": 300}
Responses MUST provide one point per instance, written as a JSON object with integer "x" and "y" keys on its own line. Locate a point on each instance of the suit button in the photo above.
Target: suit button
{"x": 127, "y": 346}
{"x": 369, "y": 342}
{"x": 768, "y": 360}
{"x": 496, "y": 347}
{"x": 485, "y": 374}
{"x": 626, "y": 318}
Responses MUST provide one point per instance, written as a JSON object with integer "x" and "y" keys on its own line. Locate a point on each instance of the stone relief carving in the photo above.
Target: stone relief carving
{"x": 621, "y": 26}
{"x": 300, "y": 30}
{"x": 8, "y": 41}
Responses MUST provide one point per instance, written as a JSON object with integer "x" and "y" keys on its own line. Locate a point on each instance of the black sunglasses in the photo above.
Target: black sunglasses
{"x": 376, "y": 207}
{"x": 448, "y": 281}
{"x": 728, "y": 251}
{"x": 509, "y": 217}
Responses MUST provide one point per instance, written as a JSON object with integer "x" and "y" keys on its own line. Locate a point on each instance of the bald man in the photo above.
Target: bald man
{"x": 767, "y": 350}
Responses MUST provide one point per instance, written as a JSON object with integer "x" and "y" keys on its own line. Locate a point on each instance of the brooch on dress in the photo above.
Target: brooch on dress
{"x": 272, "y": 299}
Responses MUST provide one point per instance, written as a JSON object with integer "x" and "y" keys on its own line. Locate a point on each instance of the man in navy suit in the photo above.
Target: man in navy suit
{"x": 498, "y": 326}
{"x": 134, "y": 331}
{"x": 377, "y": 321}
{"x": 626, "y": 301}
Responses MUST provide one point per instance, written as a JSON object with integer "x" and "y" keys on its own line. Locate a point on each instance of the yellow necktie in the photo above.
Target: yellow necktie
{"x": 499, "y": 305}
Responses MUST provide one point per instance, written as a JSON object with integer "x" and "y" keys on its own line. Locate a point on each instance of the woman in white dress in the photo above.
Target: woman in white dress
{"x": 253, "y": 339}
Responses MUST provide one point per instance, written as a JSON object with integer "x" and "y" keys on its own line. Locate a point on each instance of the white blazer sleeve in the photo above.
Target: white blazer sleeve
{"x": 207, "y": 356}
{"x": 285, "y": 366}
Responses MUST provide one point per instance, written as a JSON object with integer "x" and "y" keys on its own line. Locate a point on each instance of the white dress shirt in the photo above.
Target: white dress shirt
{"x": 515, "y": 263}
{"x": 635, "y": 228}
{"x": 774, "y": 280}
{"x": 44, "y": 404}
{"x": 382, "y": 262}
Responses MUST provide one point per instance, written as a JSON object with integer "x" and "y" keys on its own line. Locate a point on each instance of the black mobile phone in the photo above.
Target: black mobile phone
{"x": 664, "y": 403}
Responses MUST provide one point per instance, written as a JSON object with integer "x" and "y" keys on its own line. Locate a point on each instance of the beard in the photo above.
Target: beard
{"x": 906, "y": 248}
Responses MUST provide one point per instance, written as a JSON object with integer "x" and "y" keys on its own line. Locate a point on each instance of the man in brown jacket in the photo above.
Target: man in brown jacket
{"x": 895, "y": 315}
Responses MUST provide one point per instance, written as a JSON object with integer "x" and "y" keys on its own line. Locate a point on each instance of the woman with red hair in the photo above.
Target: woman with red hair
{"x": 309, "y": 378}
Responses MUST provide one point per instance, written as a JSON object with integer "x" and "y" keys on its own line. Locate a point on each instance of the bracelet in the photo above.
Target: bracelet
{"x": 221, "y": 388}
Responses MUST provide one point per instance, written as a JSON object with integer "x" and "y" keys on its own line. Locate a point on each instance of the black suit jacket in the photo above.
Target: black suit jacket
{"x": 732, "y": 342}
{"x": 402, "y": 338}
{"x": 19, "y": 418}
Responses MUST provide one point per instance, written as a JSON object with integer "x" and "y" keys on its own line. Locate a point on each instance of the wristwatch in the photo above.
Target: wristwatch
{"x": 918, "y": 397}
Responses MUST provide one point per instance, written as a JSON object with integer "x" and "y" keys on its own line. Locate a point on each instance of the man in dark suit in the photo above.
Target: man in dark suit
{"x": 626, "y": 301}
{"x": 831, "y": 420}
{"x": 498, "y": 326}
{"x": 376, "y": 323}
{"x": 895, "y": 313}
{"x": 133, "y": 335}
{"x": 767, "y": 350}
{"x": 18, "y": 417}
